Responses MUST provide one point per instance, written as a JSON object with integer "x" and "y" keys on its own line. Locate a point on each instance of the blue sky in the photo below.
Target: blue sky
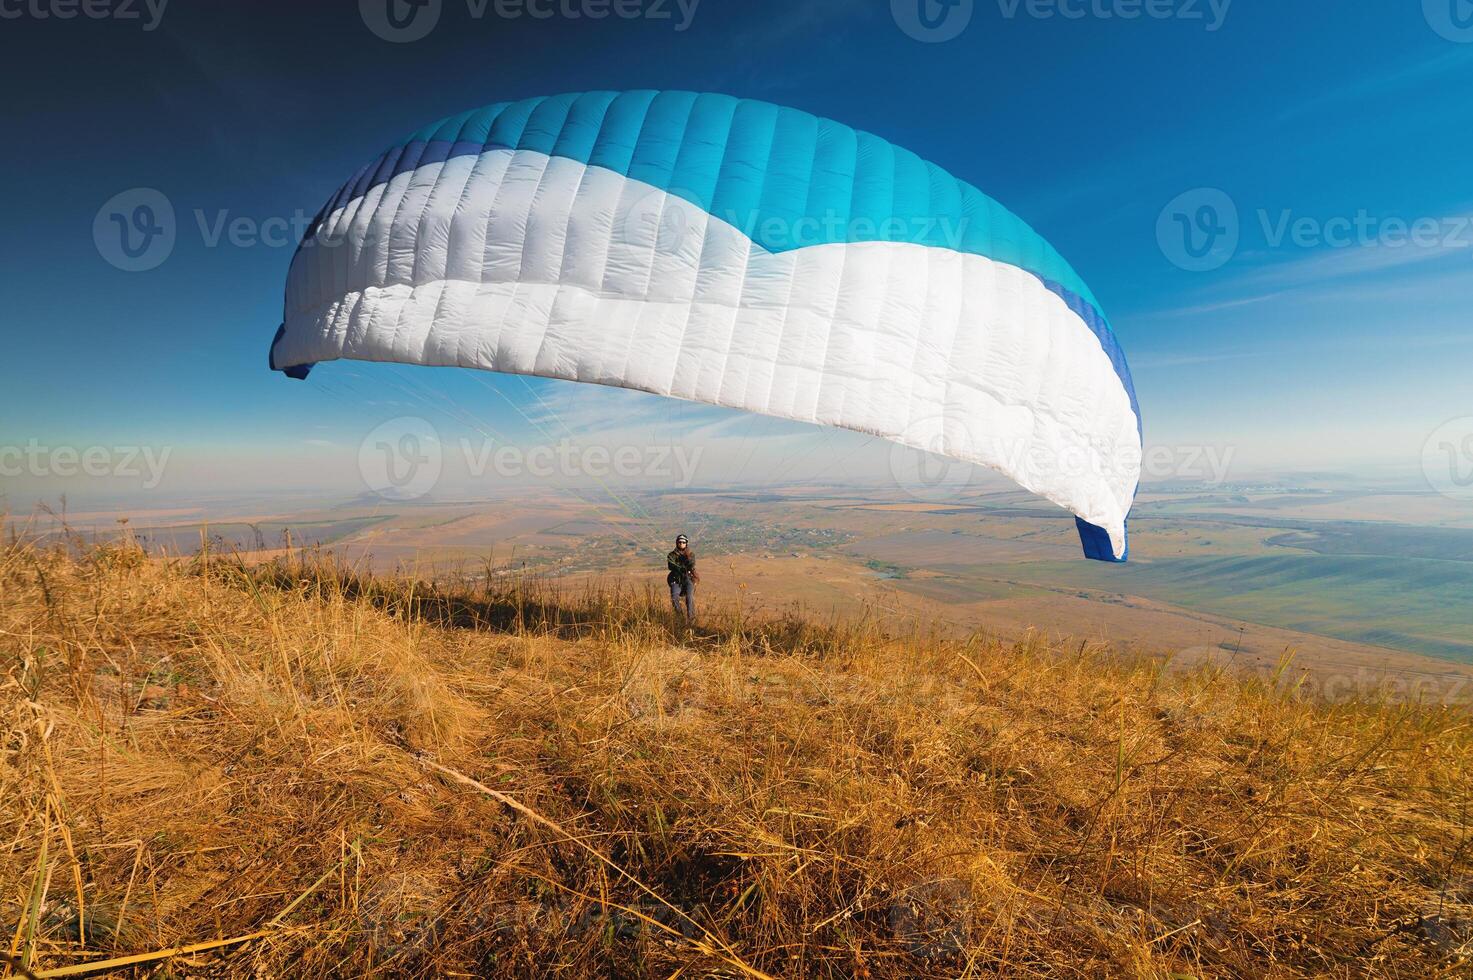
{"x": 1324, "y": 133}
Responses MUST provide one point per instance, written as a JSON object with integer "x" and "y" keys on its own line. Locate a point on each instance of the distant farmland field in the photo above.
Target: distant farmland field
{"x": 241, "y": 536}
{"x": 1420, "y": 605}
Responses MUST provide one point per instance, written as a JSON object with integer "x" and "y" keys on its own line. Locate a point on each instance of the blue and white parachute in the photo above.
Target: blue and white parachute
{"x": 736, "y": 253}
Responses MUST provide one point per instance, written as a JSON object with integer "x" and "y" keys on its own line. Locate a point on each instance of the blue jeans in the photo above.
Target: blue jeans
{"x": 686, "y": 589}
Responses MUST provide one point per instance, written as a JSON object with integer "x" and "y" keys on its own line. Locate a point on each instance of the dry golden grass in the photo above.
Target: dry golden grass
{"x": 312, "y": 773}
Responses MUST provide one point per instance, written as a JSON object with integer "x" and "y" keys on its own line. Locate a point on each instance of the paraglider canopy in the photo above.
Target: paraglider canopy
{"x": 732, "y": 252}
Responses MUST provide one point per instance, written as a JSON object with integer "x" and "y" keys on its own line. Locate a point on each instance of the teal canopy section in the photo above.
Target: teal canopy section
{"x": 786, "y": 178}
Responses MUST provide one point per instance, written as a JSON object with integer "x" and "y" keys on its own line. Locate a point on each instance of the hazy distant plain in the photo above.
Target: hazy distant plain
{"x": 1359, "y": 579}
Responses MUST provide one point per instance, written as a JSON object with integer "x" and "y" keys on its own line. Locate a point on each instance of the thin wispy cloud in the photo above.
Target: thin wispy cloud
{"x": 1202, "y": 309}
{"x": 1327, "y": 265}
{"x": 1119, "y": 183}
{"x": 1151, "y": 362}
{"x": 1374, "y": 270}
{"x": 1389, "y": 82}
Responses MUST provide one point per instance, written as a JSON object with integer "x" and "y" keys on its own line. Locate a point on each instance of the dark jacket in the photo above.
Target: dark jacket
{"x": 682, "y": 566}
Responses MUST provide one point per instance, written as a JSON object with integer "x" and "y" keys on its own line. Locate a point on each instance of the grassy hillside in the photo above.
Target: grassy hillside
{"x": 292, "y": 770}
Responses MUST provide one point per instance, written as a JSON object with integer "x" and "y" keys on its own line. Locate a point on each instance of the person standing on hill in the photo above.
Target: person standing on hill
{"x": 683, "y": 578}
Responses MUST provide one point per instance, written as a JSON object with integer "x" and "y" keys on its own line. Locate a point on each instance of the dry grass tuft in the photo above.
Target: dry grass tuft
{"x": 313, "y": 772}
